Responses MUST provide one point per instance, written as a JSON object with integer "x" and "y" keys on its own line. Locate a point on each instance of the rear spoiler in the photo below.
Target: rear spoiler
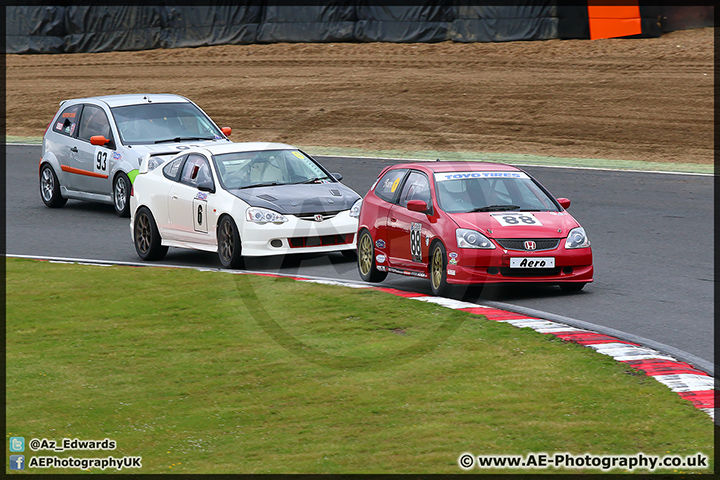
{"x": 148, "y": 163}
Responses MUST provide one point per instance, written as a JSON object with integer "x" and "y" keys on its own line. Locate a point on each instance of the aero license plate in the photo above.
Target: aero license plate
{"x": 532, "y": 262}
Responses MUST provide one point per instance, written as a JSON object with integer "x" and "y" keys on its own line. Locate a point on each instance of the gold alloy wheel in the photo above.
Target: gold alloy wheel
{"x": 365, "y": 253}
{"x": 436, "y": 267}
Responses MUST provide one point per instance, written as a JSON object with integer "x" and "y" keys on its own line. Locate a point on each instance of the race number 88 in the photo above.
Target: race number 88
{"x": 415, "y": 242}
{"x": 514, "y": 220}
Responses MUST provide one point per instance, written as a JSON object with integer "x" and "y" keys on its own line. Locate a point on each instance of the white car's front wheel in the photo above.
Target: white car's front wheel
{"x": 229, "y": 246}
{"x": 147, "y": 237}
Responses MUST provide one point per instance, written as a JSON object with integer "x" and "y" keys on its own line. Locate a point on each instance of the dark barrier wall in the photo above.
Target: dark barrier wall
{"x": 423, "y": 23}
{"x": 93, "y": 28}
{"x": 201, "y": 27}
{"x": 313, "y": 23}
{"x": 683, "y": 18}
{"x": 475, "y": 23}
{"x": 34, "y": 29}
{"x": 97, "y": 28}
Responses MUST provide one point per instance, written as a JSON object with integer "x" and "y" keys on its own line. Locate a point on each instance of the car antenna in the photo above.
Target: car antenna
{"x": 437, "y": 160}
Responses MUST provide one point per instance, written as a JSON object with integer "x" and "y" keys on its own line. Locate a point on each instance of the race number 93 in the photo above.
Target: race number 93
{"x": 101, "y": 162}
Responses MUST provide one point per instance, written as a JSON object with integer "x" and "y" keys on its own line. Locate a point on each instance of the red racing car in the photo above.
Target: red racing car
{"x": 469, "y": 223}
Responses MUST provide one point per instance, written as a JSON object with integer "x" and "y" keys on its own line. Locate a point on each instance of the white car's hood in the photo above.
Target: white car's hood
{"x": 300, "y": 199}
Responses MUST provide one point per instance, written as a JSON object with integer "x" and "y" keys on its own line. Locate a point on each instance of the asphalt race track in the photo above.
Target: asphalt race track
{"x": 652, "y": 238}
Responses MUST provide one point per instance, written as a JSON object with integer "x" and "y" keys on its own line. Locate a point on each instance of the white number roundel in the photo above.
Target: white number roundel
{"x": 513, "y": 219}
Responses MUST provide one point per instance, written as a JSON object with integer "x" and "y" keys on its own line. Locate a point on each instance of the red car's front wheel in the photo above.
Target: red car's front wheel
{"x": 438, "y": 270}
{"x": 366, "y": 259}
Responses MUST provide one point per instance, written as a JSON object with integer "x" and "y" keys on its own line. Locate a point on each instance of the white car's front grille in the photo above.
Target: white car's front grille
{"x": 317, "y": 217}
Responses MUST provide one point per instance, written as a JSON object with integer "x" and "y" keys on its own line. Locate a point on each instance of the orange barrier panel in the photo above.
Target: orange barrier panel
{"x": 610, "y": 21}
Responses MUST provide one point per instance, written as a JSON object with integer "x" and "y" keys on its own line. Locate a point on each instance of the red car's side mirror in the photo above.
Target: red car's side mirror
{"x": 564, "y": 202}
{"x": 99, "y": 140}
{"x": 226, "y": 131}
{"x": 417, "y": 206}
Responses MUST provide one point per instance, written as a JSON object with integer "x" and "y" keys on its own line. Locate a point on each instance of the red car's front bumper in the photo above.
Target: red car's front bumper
{"x": 471, "y": 266}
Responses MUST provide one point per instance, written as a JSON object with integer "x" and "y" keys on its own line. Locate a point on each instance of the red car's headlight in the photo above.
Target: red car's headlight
{"x": 577, "y": 238}
{"x": 471, "y": 239}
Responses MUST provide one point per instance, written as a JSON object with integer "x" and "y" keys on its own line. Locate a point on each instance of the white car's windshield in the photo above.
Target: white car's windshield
{"x": 267, "y": 167}
{"x": 490, "y": 192}
{"x": 163, "y": 122}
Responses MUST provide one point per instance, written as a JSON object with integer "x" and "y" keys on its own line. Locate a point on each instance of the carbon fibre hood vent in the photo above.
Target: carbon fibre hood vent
{"x": 302, "y": 199}
{"x": 267, "y": 197}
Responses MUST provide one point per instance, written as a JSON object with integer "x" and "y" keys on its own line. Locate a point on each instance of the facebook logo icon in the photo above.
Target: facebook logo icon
{"x": 17, "y": 462}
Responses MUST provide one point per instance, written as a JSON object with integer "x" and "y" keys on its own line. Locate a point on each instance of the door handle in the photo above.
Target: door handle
{"x": 174, "y": 197}
{"x": 393, "y": 219}
{"x": 74, "y": 149}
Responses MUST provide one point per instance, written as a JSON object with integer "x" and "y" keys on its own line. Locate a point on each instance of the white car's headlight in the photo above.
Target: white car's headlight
{"x": 355, "y": 210}
{"x": 577, "y": 239}
{"x": 263, "y": 215}
{"x": 472, "y": 239}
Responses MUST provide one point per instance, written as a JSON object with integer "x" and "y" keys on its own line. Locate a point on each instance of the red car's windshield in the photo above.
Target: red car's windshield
{"x": 490, "y": 191}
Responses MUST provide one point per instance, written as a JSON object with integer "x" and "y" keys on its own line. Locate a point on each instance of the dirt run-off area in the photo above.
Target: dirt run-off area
{"x": 648, "y": 99}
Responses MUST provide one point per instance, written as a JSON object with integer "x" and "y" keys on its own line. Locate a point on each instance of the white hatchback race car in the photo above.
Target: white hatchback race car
{"x": 93, "y": 146}
{"x": 241, "y": 199}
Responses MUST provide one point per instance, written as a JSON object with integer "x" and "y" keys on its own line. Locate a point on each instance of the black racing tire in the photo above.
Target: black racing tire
{"x": 121, "y": 194}
{"x": 50, "y": 188}
{"x": 366, "y": 259}
{"x": 438, "y": 270}
{"x": 229, "y": 245}
{"x": 572, "y": 287}
{"x": 146, "y": 236}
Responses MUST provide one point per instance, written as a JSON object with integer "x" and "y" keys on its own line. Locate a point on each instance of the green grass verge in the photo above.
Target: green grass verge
{"x": 30, "y": 140}
{"x": 208, "y": 372}
{"x": 511, "y": 158}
